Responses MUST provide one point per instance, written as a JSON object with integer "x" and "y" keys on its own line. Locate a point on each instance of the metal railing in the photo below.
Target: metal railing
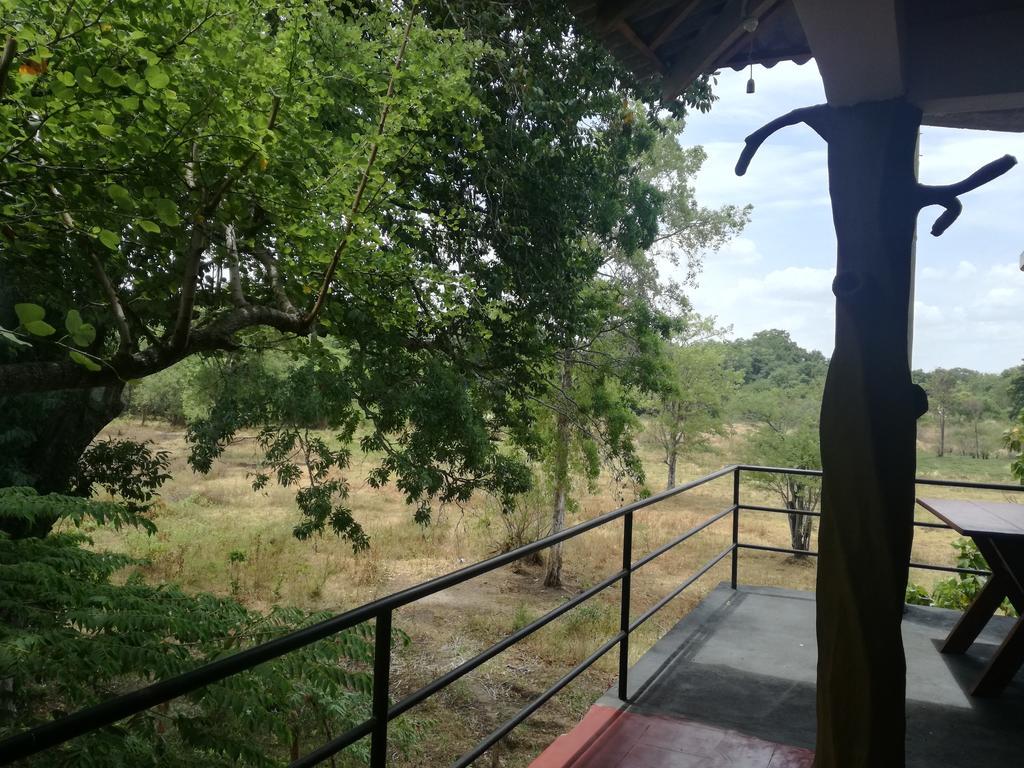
{"x": 380, "y": 611}
{"x": 966, "y": 484}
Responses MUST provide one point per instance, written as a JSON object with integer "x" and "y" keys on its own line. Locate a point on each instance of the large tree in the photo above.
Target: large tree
{"x": 611, "y": 352}
{"x": 781, "y": 400}
{"x": 427, "y": 188}
{"x": 692, "y": 407}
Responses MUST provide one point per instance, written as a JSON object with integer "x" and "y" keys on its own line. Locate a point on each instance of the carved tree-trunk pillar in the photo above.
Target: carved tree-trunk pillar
{"x": 868, "y": 415}
{"x": 868, "y": 439}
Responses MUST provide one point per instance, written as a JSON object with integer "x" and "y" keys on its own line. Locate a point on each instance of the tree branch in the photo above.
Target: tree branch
{"x": 41, "y": 376}
{"x": 817, "y": 117}
{"x": 123, "y": 331}
{"x": 325, "y": 287}
{"x": 6, "y": 59}
{"x": 947, "y": 195}
{"x": 197, "y": 243}
{"x": 274, "y": 280}
{"x": 235, "y": 274}
{"x": 199, "y": 240}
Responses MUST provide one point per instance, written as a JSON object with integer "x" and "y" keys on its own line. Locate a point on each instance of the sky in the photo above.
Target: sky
{"x": 778, "y": 272}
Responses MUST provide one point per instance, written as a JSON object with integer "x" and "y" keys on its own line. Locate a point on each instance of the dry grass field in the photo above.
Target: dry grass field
{"x": 217, "y": 535}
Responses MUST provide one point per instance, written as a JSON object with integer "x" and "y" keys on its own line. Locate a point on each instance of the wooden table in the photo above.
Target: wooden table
{"x": 998, "y": 530}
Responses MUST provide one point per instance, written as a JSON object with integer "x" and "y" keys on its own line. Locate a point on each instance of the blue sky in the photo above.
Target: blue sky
{"x": 778, "y": 272}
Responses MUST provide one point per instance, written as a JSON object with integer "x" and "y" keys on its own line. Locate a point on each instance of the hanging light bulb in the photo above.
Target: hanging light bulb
{"x": 750, "y": 27}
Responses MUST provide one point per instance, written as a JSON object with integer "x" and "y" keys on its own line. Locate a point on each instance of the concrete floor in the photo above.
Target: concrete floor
{"x": 744, "y": 661}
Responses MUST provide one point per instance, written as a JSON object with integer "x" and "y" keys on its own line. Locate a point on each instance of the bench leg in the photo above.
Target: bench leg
{"x": 977, "y": 615}
{"x": 1006, "y": 555}
{"x": 1004, "y": 664}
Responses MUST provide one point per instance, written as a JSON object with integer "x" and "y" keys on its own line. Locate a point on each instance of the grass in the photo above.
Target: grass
{"x": 217, "y": 535}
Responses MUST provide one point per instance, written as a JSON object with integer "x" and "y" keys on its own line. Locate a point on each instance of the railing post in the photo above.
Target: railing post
{"x": 381, "y": 692}
{"x": 735, "y": 525}
{"x": 627, "y": 566}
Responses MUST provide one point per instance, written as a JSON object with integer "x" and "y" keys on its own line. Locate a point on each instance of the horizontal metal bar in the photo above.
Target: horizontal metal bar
{"x": 785, "y": 550}
{"x": 970, "y": 484}
{"x": 672, "y": 595}
{"x": 108, "y": 712}
{"x": 922, "y": 524}
{"x": 785, "y": 510}
{"x": 921, "y": 566}
{"x": 919, "y": 481}
{"x": 334, "y": 746}
{"x": 950, "y": 569}
{"x": 780, "y": 470}
{"x": 680, "y": 539}
{"x": 466, "y": 667}
{"x": 781, "y": 510}
{"x": 537, "y": 703}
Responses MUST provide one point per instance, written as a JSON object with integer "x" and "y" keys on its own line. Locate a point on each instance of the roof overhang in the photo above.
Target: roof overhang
{"x": 961, "y": 62}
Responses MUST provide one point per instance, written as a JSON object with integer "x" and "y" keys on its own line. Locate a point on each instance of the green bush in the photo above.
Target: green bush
{"x": 71, "y": 636}
{"x": 960, "y": 590}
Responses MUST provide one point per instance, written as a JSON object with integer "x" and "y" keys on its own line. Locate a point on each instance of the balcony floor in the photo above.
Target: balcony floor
{"x": 733, "y": 685}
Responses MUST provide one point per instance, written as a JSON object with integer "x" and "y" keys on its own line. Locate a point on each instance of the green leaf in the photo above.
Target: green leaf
{"x": 120, "y": 195}
{"x": 110, "y": 239}
{"x": 84, "y": 360}
{"x": 135, "y": 82}
{"x": 73, "y": 321}
{"x": 156, "y": 77}
{"x": 149, "y": 226}
{"x": 85, "y": 335}
{"x": 110, "y": 77}
{"x": 13, "y": 338}
{"x": 40, "y": 328}
{"x": 27, "y": 313}
{"x": 166, "y": 211}
{"x": 106, "y": 130}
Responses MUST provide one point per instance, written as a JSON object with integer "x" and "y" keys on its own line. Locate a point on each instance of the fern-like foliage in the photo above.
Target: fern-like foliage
{"x": 74, "y": 633}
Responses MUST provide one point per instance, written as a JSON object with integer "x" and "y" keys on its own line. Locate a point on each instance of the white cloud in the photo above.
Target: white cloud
{"x": 1003, "y": 297}
{"x": 739, "y": 250}
{"x": 926, "y": 314}
{"x": 799, "y": 283}
{"x": 1005, "y": 271}
{"x": 964, "y": 270}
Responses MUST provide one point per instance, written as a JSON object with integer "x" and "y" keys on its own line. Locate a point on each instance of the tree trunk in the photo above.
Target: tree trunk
{"x": 44, "y": 435}
{"x": 942, "y": 432}
{"x": 563, "y": 437}
{"x": 54, "y": 428}
{"x": 673, "y": 456}
{"x": 800, "y": 527}
{"x": 868, "y": 439}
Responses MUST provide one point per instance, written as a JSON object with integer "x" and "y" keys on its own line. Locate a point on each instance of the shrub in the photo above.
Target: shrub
{"x": 71, "y": 636}
{"x": 959, "y": 591}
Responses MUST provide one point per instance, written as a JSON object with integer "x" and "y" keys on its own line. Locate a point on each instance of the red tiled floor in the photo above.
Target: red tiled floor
{"x": 610, "y": 738}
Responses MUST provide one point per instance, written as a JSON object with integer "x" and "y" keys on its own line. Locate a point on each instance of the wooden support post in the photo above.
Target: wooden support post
{"x": 868, "y": 415}
{"x": 868, "y": 439}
